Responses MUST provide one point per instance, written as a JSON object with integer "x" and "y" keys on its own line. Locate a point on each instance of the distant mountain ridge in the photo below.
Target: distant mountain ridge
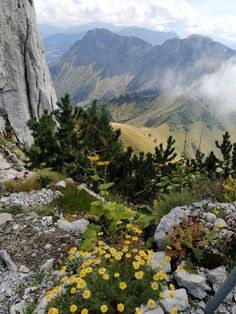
{"x": 104, "y": 64}
{"x": 58, "y": 41}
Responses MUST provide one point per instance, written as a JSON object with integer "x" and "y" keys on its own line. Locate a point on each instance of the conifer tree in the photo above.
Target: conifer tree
{"x": 45, "y": 148}
{"x": 225, "y": 149}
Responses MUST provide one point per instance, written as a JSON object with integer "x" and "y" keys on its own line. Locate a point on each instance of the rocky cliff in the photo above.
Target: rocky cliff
{"x": 25, "y": 84}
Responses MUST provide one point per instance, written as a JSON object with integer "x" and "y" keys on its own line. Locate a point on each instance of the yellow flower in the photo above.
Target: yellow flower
{"x": 116, "y": 275}
{"x": 103, "y": 163}
{"x": 73, "y": 250}
{"x": 71, "y": 258}
{"x": 138, "y": 310}
{"x": 119, "y": 222}
{"x": 120, "y": 307}
{"x": 135, "y": 238}
{"x": 73, "y": 290}
{"x": 107, "y": 256}
{"x": 151, "y": 303}
{"x": 93, "y": 158}
{"x": 122, "y": 285}
{"x": 82, "y": 273}
{"x": 180, "y": 267}
{"x": 127, "y": 242}
{"x": 171, "y": 294}
{"x": 125, "y": 249}
{"x": 97, "y": 261}
{"x": 106, "y": 277}
{"x": 86, "y": 294}
{"x": 134, "y": 250}
{"x": 84, "y": 311}
{"x": 161, "y": 295}
{"x": 156, "y": 277}
{"x": 81, "y": 284}
{"x": 136, "y": 265}
{"x": 103, "y": 308}
{"x": 174, "y": 310}
{"x": 139, "y": 275}
{"x": 88, "y": 270}
{"x": 142, "y": 253}
{"x": 102, "y": 271}
{"x": 73, "y": 308}
{"x": 63, "y": 269}
{"x": 53, "y": 310}
{"x": 220, "y": 225}
{"x": 128, "y": 255}
{"x": 172, "y": 287}
{"x": 154, "y": 286}
{"x": 64, "y": 279}
{"x": 128, "y": 226}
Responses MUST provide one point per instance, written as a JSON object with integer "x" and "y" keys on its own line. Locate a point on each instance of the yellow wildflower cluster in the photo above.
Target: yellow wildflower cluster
{"x": 96, "y": 159}
{"x": 120, "y": 269}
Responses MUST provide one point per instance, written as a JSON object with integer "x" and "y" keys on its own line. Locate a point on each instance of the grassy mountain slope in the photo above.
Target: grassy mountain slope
{"x": 145, "y": 126}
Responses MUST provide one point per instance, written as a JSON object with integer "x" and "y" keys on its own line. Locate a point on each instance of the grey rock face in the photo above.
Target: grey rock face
{"x": 194, "y": 284}
{"x": 6, "y": 260}
{"x": 79, "y": 226}
{"x": 217, "y": 276}
{"x": 167, "y": 224}
{"x": 25, "y": 84}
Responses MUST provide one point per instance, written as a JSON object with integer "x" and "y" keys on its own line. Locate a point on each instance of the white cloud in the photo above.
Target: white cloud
{"x": 210, "y": 17}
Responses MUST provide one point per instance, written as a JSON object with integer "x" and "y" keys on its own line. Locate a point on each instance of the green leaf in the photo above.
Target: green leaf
{"x": 95, "y": 178}
{"x": 106, "y": 186}
{"x": 97, "y": 209}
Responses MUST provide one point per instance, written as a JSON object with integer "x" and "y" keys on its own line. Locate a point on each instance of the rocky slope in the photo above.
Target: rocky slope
{"x": 25, "y": 84}
{"x": 104, "y": 64}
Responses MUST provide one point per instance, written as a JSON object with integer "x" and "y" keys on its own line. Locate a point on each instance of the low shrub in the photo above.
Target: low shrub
{"x": 111, "y": 278}
{"x": 73, "y": 201}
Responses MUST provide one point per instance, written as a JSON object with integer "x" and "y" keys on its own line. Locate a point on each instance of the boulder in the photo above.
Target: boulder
{"x": 80, "y": 225}
{"x": 167, "y": 224}
{"x": 5, "y": 217}
{"x": 159, "y": 260}
{"x": 193, "y": 283}
{"x": 64, "y": 225}
{"x": 47, "y": 266}
{"x": 220, "y": 222}
{"x": 146, "y": 310}
{"x": 210, "y": 217}
{"x": 216, "y": 277}
{"x": 180, "y": 300}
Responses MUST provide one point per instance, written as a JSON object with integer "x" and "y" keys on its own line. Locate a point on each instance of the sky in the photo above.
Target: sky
{"x": 214, "y": 18}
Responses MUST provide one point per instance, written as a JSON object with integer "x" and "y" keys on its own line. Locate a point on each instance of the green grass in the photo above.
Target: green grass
{"x": 73, "y": 201}
{"x": 172, "y": 200}
{"x": 34, "y": 181}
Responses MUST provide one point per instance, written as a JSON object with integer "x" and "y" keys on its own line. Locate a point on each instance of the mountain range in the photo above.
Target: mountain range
{"x": 58, "y": 41}
{"x": 150, "y": 91}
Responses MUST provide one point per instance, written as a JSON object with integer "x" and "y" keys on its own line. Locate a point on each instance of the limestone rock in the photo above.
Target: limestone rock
{"x": 193, "y": 283}
{"x": 80, "y": 225}
{"x": 180, "y": 300}
{"x": 167, "y": 224}
{"x": 64, "y": 225}
{"x": 146, "y": 310}
{"x": 61, "y": 184}
{"x": 25, "y": 85}
{"x": 6, "y": 260}
{"x": 159, "y": 260}
{"x": 48, "y": 265}
{"x": 209, "y": 217}
{"x": 5, "y": 217}
{"x": 217, "y": 276}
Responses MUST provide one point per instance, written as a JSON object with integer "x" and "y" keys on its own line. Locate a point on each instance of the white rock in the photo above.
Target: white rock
{"x": 146, "y": 310}
{"x": 210, "y": 217}
{"x": 61, "y": 184}
{"x": 47, "y": 221}
{"x": 157, "y": 261}
{"x": 216, "y": 277}
{"x": 5, "y": 217}
{"x": 180, "y": 300}
{"x": 80, "y": 225}
{"x": 18, "y": 308}
{"x": 65, "y": 225}
{"x": 220, "y": 221}
{"x": 5, "y": 258}
{"x": 48, "y": 265}
{"x": 47, "y": 246}
{"x": 23, "y": 269}
{"x": 167, "y": 224}
{"x": 194, "y": 284}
